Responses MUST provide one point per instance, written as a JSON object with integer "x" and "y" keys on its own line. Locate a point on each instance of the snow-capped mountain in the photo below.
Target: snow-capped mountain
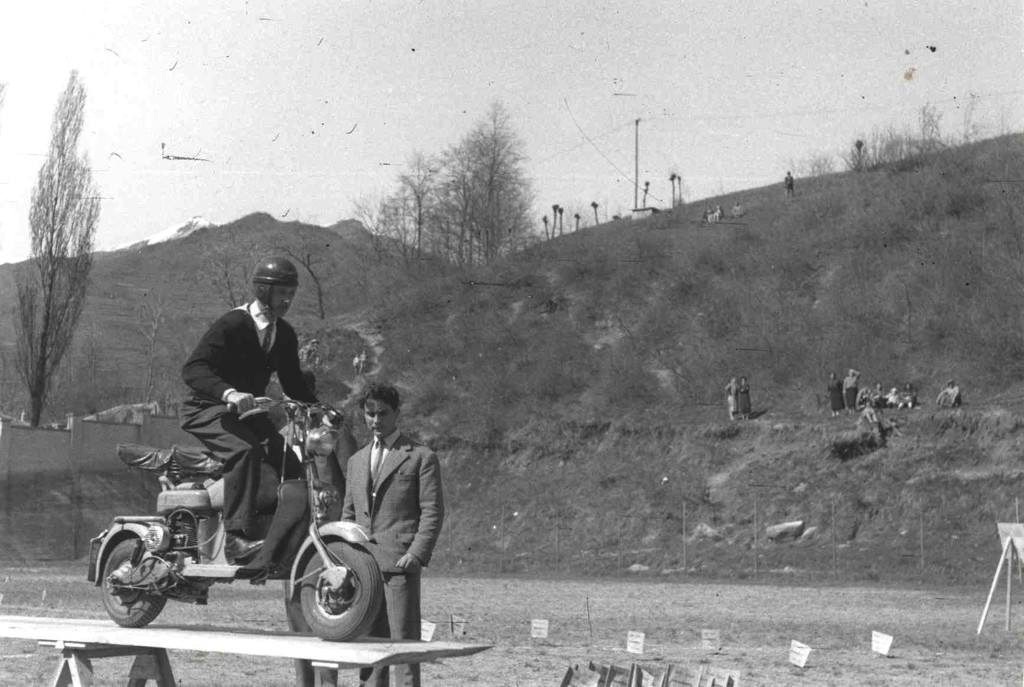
{"x": 178, "y": 231}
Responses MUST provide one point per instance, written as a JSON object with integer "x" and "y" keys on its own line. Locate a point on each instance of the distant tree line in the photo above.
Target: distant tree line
{"x": 467, "y": 205}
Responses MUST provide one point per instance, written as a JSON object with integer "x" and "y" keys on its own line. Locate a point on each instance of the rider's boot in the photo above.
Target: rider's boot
{"x": 238, "y": 549}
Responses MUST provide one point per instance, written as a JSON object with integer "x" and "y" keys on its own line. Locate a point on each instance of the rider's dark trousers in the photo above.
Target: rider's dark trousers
{"x": 399, "y": 618}
{"x": 238, "y": 444}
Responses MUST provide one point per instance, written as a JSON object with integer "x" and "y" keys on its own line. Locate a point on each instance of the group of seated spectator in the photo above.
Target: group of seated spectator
{"x": 875, "y": 397}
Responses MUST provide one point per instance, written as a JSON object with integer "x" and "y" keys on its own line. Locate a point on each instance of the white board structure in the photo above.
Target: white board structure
{"x": 881, "y": 643}
{"x": 357, "y": 654}
{"x": 799, "y": 653}
{"x": 427, "y": 629}
{"x": 635, "y": 642}
{"x": 1011, "y": 536}
{"x": 539, "y": 628}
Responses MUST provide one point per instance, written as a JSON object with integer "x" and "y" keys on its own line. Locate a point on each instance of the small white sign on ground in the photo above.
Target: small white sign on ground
{"x": 798, "y": 653}
{"x": 539, "y": 628}
{"x": 427, "y": 630}
{"x": 881, "y": 643}
{"x": 710, "y": 640}
{"x": 635, "y": 642}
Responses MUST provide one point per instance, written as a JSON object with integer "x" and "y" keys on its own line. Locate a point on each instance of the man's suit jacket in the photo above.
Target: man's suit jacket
{"x": 230, "y": 356}
{"x": 404, "y": 510}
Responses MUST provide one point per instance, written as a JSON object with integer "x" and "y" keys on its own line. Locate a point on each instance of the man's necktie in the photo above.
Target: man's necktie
{"x": 268, "y": 337}
{"x": 376, "y": 458}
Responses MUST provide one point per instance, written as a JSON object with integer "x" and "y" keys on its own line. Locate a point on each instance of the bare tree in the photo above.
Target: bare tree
{"x": 226, "y": 265}
{"x": 63, "y": 216}
{"x": 971, "y": 129}
{"x": 544, "y": 219}
{"x": 576, "y": 216}
{"x": 491, "y": 164}
{"x": 151, "y": 317}
{"x": 647, "y": 187}
{"x": 418, "y": 182}
{"x": 312, "y": 258}
{"x": 561, "y": 220}
{"x": 856, "y": 159}
{"x": 593, "y": 204}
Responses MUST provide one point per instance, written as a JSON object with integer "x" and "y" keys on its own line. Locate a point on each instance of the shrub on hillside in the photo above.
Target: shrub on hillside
{"x": 852, "y": 444}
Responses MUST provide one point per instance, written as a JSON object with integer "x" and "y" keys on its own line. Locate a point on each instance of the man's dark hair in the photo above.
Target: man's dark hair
{"x": 379, "y": 391}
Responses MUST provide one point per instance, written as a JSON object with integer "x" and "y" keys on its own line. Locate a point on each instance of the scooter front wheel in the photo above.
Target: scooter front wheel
{"x": 128, "y": 607}
{"x": 340, "y": 604}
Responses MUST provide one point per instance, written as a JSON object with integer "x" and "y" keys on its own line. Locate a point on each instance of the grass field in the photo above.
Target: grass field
{"x": 934, "y": 630}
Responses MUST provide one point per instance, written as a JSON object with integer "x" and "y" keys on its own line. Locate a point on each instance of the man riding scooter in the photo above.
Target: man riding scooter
{"x": 230, "y": 366}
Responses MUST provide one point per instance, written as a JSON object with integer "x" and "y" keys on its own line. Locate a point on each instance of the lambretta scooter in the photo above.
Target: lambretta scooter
{"x": 334, "y": 585}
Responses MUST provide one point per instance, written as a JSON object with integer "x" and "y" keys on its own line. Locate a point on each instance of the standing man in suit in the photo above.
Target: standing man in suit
{"x": 230, "y": 366}
{"x": 394, "y": 492}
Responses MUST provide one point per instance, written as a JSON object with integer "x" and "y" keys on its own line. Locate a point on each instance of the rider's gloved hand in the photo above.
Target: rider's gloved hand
{"x": 241, "y": 401}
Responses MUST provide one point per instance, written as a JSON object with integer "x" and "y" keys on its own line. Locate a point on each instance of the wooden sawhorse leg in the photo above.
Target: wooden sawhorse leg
{"x": 75, "y": 669}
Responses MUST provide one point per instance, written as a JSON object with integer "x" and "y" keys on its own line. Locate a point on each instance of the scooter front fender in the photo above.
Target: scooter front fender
{"x": 101, "y": 545}
{"x": 346, "y": 530}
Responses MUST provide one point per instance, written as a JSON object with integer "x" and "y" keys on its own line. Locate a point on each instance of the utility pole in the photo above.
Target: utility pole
{"x": 636, "y": 163}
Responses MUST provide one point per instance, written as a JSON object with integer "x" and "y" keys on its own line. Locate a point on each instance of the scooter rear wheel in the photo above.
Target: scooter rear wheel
{"x": 340, "y": 611}
{"x": 128, "y": 608}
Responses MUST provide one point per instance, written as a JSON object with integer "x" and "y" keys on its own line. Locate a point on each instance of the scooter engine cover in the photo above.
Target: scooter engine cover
{"x": 196, "y": 500}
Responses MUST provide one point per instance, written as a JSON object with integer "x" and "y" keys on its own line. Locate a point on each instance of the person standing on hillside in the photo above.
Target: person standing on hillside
{"x": 230, "y": 366}
{"x": 850, "y": 383}
{"x": 743, "y": 399}
{"x": 732, "y": 390}
{"x": 790, "y": 185}
{"x": 394, "y": 492}
{"x": 835, "y": 394}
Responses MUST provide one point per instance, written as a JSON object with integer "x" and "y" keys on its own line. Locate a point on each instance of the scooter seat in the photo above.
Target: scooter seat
{"x": 196, "y": 500}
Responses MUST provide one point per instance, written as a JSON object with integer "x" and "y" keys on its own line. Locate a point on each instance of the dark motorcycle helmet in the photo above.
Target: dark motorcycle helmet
{"x": 276, "y": 272}
{"x": 271, "y": 272}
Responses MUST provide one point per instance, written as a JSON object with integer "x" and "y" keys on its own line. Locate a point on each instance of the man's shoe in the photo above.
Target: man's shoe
{"x": 238, "y": 549}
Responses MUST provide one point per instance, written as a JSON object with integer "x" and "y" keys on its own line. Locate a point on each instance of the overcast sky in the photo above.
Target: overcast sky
{"x": 303, "y": 108}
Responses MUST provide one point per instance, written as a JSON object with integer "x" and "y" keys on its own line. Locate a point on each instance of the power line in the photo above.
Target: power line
{"x": 622, "y": 175}
{"x": 576, "y": 146}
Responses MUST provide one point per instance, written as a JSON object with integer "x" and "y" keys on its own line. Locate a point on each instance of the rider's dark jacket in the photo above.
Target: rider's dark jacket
{"x": 230, "y": 356}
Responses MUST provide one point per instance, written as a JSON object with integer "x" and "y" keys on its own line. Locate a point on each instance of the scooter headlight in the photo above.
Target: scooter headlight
{"x": 157, "y": 538}
{"x": 320, "y": 441}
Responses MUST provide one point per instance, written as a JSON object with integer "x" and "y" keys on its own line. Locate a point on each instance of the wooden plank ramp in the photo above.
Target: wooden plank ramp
{"x": 363, "y": 652}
